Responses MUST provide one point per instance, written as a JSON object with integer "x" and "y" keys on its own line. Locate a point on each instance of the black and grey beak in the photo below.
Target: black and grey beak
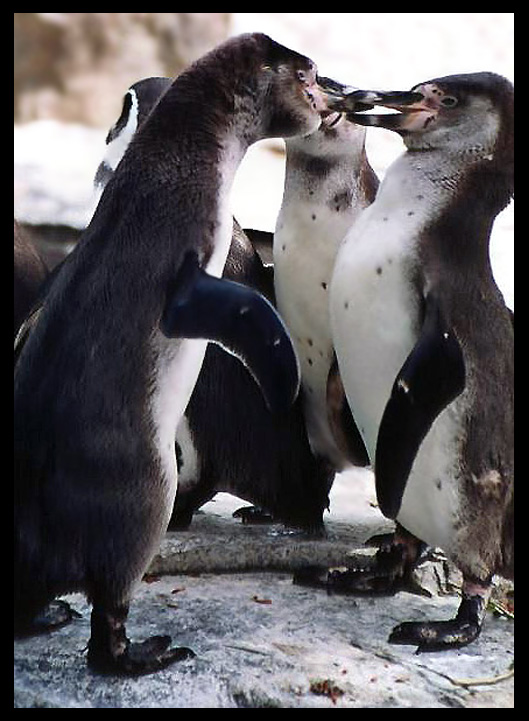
{"x": 415, "y": 110}
{"x": 335, "y": 92}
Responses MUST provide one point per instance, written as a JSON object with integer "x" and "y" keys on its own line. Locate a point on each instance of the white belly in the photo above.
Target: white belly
{"x": 304, "y": 256}
{"x": 375, "y": 317}
{"x": 431, "y": 499}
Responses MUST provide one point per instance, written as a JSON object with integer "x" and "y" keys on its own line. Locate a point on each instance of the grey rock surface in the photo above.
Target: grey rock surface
{"x": 225, "y": 590}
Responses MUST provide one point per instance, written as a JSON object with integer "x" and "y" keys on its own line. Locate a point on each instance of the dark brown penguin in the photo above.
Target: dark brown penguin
{"x": 425, "y": 341}
{"x": 117, "y": 343}
{"x": 228, "y": 440}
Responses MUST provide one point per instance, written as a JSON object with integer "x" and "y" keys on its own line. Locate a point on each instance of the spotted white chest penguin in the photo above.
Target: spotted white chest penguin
{"x": 328, "y": 182}
{"x": 118, "y": 342}
{"x": 221, "y": 437}
{"x": 424, "y": 339}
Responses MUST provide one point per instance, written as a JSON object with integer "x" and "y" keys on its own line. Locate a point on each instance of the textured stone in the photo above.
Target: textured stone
{"x": 76, "y": 66}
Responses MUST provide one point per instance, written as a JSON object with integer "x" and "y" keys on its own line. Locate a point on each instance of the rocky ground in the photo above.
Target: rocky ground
{"x": 225, "y": 590}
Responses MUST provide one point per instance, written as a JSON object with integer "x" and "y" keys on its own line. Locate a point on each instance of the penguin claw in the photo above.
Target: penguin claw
{"x": 253, "y": 515}
{"x": 312, "y": 576}
{"x": 142, "y": 658}
{"x": 435, "y": 635}
{"x": 54, "y": 616}
{"x": 442, "y": 635}
{"x": 381, "y": 575}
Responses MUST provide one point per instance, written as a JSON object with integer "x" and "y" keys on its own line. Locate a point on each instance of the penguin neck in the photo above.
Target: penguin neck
{"x": 175, "y": 191}
{"x": 452, "y": 203}
{"x": 317, "y": 177}
{"x": 475, "y": 172}
{"x": 327, "y": 184}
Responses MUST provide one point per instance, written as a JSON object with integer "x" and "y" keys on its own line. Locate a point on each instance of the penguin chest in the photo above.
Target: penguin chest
{"x": 374, "y": 315}
{"x": 304, "y": 255}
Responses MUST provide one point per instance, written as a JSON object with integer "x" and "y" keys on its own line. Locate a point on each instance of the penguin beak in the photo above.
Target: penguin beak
{"x": 335, "y": 93}
{"x": 357, "y": 100}
{"x": 416, "y": 111}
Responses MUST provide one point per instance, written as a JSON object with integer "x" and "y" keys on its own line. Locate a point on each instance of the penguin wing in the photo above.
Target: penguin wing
{"x": 432, "y": 376}
{"x": 239, "y": 319}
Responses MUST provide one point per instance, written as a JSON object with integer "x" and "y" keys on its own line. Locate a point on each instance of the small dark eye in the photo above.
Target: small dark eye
{"x": 449, "y": 101}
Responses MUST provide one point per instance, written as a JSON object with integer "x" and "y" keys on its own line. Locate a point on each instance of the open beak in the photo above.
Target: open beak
{"x": 335, "y": 94}
{"x": 415, "y": 109}
{"x": 357, "y": 100}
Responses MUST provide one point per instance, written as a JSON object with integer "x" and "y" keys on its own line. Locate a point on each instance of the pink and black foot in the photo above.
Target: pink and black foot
{"x": 110, "y": 651}
{"x": 454, "y": 633}
{"x": 388, "y": 572}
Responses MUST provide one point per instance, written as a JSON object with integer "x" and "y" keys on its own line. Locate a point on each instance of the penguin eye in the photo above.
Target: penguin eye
{"x": 449, "y": 101}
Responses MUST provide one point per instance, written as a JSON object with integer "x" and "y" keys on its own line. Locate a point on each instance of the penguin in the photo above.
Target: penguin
{"x": 118, "y": 343}
{"x": 138, "y": 102}
{"x": 425, "y": 341}
{"x": 328, "y": 182}
{"x": 227, "y": 439}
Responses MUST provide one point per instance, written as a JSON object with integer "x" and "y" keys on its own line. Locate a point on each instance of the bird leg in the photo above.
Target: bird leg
{"x": 111, "y": 652}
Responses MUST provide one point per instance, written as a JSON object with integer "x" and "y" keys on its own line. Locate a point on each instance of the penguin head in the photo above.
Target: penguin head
{"x": 468, "y": 115}
{"x": 336, "y": 138}
{"x": 137, "y": 103}
{"x": 465, "y": 114}
{"x": 278, "y": 88}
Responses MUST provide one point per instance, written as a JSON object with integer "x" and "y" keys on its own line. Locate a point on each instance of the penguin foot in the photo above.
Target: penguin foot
{"x": 253, "y": 515}
{"x": 111, "y": 653}
{"x": 311, "y": 576}
{"x": 442, "y": 635}
{"x": 139, "y": 659}
{"x": 54, "y": 616}
{"x": 380, "y": 575}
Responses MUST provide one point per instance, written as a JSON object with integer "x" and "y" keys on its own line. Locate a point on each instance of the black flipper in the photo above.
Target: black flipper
{"x": 242, "y": 321}
{"x": 431, "y": 378}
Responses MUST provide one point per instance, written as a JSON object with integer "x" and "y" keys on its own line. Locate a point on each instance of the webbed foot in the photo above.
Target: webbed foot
{"x": 110, "y": 651}
{"x": 52, "y": 617}
{"x": 142, "y": 658}
{"x": 253, "y": 515}
{"x": 380, "y": 574}
{"x": 441, "y": 635}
